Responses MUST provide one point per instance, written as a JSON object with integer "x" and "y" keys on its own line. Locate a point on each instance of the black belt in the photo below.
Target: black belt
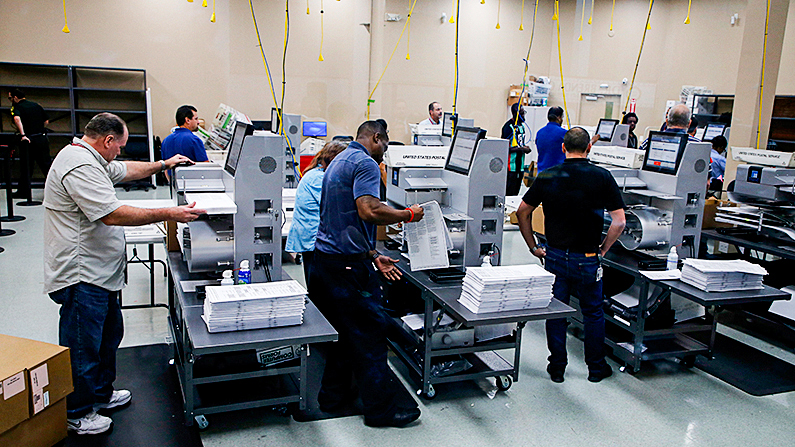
{"x": 337, "y": 257}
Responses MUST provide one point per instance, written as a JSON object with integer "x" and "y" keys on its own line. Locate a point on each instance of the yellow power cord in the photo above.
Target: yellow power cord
{"x": 582, "y": 20}
{"x": 370, "y": 98}
{"x": 590, "y": 19}
{"x": 321, "y": 28}
{"x": 65, "y": 23}
{"x": 762, "y": 82}
{"x": 212, "y": 17}
{"x": 560, "y": 61}
{"x": 687, "y": 19}
{"x": 612, "y": 11}
{"x": 453, "y": 13}
{"x": 499, "y": 3}
{"x": 521, "y": 18}
{"x": 408, "y": 36}
{"x": 524, "y": 77}
{"x": 455, "y": 73}
{"x": 642, "y": 41}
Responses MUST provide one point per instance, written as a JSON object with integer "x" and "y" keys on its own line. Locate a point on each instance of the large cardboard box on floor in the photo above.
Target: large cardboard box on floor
{"x": 538, "y": 219}
{"x": 711, "y": 206}
{"x": 36, "y": 378}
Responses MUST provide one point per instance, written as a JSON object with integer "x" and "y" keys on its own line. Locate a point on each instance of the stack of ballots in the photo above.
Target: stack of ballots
{"x": 505, "y": 288}
{"x": 722, "y": 276}
{"x": 254, "y": 306}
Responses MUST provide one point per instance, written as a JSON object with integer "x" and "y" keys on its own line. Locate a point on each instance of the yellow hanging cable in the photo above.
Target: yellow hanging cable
{"x": 762, "y": 83}
{"x": 204, "y": 3}
{"x": 521, "y": 18}
{"x": 190, "y": 1}
{"x": 65, "y": 23}
{"x": 499, "y": 2}
{"x": 321, "y": 30}
{"x": 590, "y": 19}
{"x": 408, "y": 37}
{"x": 514, "y": 142}
{"x": 453, "y": 13}
{"x": 212, "y": 17}
{"x": 612, "y": 11}
{"x": 582, "y": 19}
{"x": 370, "y": 98}
{"x": 307, "y": 7}
{"x": 642, "y": 41}
{"x": 687, "y": 19}
{"x": 280, "y": 109}
{"x": 560, "y": 62}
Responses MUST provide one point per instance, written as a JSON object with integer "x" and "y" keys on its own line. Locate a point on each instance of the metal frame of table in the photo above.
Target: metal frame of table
{"x": 191, "y": 341}
{"x": 483, "y": 356}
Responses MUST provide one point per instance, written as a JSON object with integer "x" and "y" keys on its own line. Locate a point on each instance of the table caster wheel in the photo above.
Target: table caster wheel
{"x": 504, "y": 383}
{"x": 202, "y": 422}
{"x": 429, "y": 395}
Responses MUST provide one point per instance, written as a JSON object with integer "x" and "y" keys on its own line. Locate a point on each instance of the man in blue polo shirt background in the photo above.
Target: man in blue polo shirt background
{"x": 182, "y": 141}
{"x": 549, "y": 140}
{"x": 344, "y": 284}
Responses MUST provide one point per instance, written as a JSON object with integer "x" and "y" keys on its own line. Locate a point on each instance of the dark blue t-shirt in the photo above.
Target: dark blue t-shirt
{"x": 549, "y": 141}
{"x": 183, "y": 142}
{"x": 352, "y": 174}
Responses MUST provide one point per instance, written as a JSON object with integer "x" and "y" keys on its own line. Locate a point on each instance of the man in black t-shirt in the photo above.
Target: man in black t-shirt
{"x": 30, "y": 119}
{"x": 575, "y": 195}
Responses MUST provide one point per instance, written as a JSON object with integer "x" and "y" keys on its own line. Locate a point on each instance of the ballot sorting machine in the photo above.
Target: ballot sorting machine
{"x": 467, "y": 179}
{"x": 243, "y": 200}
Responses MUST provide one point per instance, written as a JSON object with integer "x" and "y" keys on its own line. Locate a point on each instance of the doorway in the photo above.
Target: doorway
{"x": 594, "y": 106}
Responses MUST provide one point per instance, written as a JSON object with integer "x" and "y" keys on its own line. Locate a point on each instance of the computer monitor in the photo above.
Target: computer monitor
{"x": 462, "y": 149}
{"x": 236, "y": 145}
{"x": 275, "y": 121}
{"x": 315, "y": 129}
{"x": 606, "y": 128}
{"x": 664, "y": 152}
{"x": 713, "y": 130}
{"x": 447, "y": 124}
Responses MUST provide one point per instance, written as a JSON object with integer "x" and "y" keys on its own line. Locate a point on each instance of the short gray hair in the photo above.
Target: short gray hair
{"x": 679, "y": 116}
{"x": 104, "y": 124}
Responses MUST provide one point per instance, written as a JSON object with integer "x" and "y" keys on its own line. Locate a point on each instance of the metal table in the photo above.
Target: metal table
{"x": 212, "y": 387}
{"x": 638, "y": 343}
{"x": 482, "y": 355}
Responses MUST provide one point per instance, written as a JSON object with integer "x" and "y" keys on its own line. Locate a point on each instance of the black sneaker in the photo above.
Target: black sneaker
{"x": 597, "y": 376}
{"x": 400, "y": 418}
{"x": 556, "y": 373}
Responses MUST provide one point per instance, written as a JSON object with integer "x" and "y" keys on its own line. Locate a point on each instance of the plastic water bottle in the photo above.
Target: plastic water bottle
{"x": 227, "y": 278}
{"x": 244, "y": 274}
{"x": 673, "y": 260}
{"x": 486, "y": 261}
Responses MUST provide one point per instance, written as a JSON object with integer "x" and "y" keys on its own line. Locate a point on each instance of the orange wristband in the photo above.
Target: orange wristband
{"x": 412, "y": 214}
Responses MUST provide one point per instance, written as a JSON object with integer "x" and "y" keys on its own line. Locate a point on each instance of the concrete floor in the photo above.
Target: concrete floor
{"x": 664, "y": 404}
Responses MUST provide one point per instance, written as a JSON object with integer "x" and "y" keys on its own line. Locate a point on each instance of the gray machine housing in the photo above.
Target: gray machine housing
{"x": 765, "y": 183}
{"x": 620, "y": 137}
{"x": 254, "y": 231}
{"x": 678, "y": 200}
{"x": 473, "y": 205}
{"x": 292, "y": 129}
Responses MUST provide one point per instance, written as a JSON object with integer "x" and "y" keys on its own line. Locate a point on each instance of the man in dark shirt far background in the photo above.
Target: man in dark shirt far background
{"x": 30, "y": 119}
{"x": 575, "y": 195}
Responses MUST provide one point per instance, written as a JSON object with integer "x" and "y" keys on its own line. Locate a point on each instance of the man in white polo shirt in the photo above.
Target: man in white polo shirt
{"x": 85, "y": 255}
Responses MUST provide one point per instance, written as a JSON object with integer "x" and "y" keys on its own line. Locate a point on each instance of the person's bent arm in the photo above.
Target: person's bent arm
{"x": 373, "y": 211}
{"x": 616, "y": 227}
{"x": 525, "y": 216}
{"x": 140, "y": 169}
{"x": 131, "y": 216}
{"x": 20, "y": 128}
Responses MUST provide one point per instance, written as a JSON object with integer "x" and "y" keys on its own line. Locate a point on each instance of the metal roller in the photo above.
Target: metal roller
{"x": 209, "y": 245}
{"x": 646, "y": 228}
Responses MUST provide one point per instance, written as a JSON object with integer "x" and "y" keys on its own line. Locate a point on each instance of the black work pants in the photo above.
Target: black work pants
{"x": 38, "y": 152}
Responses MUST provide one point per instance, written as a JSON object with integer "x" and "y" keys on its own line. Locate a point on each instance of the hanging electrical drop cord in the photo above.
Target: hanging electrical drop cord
{"x": 612, "y": 12}
{"x": 284, "y": 85}
{"x": 455, "y": 76}
{"x": 65, "y": 28}
{"x": 526, "y": 68}
{"x": 642, "y": 41}
{"x": 590, "y": 19}
{"x": 408, "y": 36}
{"x": 370, "y": 98}
{"x": 322, "y": 32}
{"x": 582, "y": 20}
{"x": 687, "y": 19}
{"x": 762, "y": 82}
{"x": 560, "y": 62}
{"x": 521, "y": 18}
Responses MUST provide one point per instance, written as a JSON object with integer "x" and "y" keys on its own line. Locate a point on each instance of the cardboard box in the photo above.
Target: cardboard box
{"x": 711, "y": 206}
{"x": 538, "y": 219}
{"x": 172, "y": 244}
{"x": 37, "y": 379}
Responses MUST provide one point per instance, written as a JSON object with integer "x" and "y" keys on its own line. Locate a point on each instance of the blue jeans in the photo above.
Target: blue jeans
{"x": 576, "y": 273}
{"x": 92, "y": 327}
{"x": 349, "y": 295}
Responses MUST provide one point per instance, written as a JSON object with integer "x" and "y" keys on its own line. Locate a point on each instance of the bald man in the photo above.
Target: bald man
{"x": 678, "y": 121}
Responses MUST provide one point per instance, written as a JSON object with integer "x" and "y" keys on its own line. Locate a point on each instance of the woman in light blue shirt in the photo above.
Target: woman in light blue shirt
{"x": 306, "y": 214}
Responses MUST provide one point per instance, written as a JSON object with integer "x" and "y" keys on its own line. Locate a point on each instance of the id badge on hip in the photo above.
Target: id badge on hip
{"x": 599, "y": 273}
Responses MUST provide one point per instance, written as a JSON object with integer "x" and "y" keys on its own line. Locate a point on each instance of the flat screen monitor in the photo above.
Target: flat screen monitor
{"x": 275, "y": 121}
{"x": 664, "y": 152}
{"x": 713, "y": 130}
{"x": 236, "y": 145}
{"x": 447, "y": 124}
{"x": 462, "y": 149}
{"x": 315, "y": 129}
{"x": 606, "y": 128}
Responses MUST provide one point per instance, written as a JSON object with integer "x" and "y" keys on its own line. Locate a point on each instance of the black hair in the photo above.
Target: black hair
{"x": 16, "y": 92}
{"x": 383, "y": 123}
{"x": 104, "y": 124}
{"x": 430, "y": 106}
{"x": 693, "y": 124}
{"x": 720, "y": 142}
{"x": 554, "y": 113}
{"x": 576, "y": 140}
{"x": 514, "y": 109}
{"x": 183, "y": 112}
{"x": 368, "y": 128}
{"x": 628, "y": 116}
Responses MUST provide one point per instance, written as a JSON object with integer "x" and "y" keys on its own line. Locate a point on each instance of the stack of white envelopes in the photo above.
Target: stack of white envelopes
{"x": 254, "y": 306}
{"x": 722, "y": 276}
{"x": 506, "y": 288}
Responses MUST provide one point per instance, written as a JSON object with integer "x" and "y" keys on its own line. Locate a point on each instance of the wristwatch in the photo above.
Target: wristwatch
{"x": 162, "y": 165}
{"x": 374, "y": 256}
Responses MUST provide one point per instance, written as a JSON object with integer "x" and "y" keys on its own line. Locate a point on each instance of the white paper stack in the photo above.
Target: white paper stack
{"x": 254, "y": 306}
{"x": 722, "y": 276}
{"x": 506, "y": 288}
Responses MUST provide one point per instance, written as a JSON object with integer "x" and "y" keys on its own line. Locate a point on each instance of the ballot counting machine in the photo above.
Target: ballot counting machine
{"x": 467, "y": 179}
{"x": 766, "y": 190}
{"x": 243, "y": 200}
{"x": 663, "y": 188}
{"x": 611, "y": 133}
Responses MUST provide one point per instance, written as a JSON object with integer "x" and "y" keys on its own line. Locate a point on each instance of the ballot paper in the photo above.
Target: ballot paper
{"x": 428, "y": 239}
{"x": 661, "y": 275}
{"x": 254, "y": 306}
{"x": 506, "y": 288}
{"x": 722, "y": 276}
